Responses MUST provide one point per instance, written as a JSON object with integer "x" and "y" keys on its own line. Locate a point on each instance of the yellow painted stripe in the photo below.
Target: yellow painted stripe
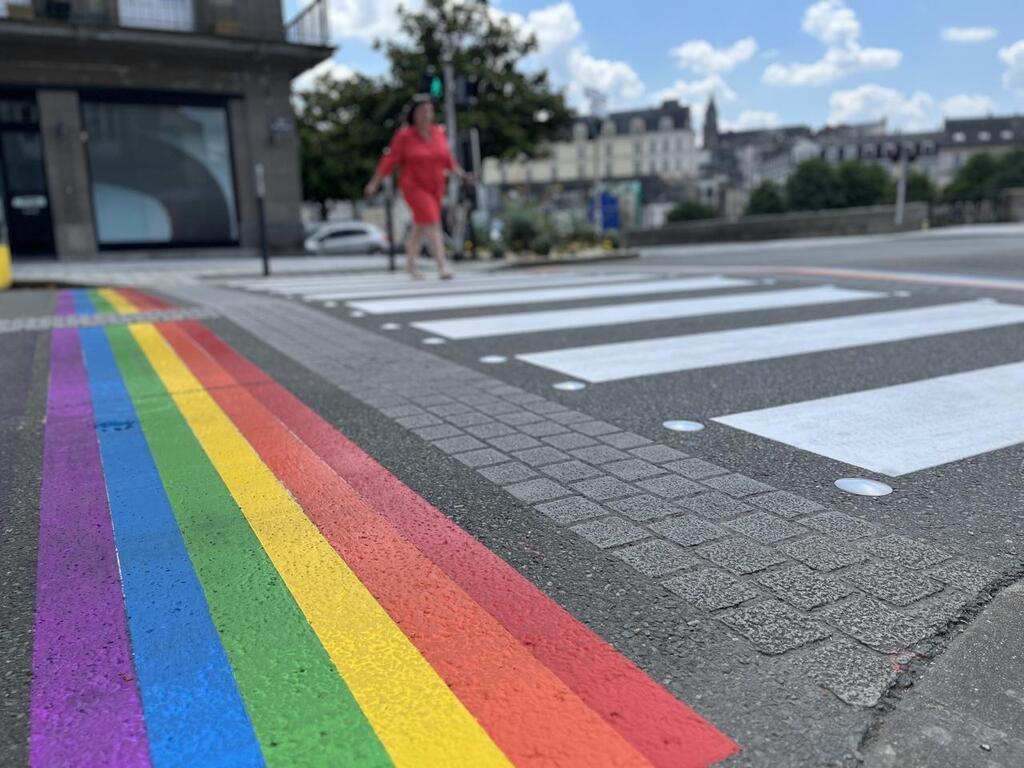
{"x": 416, "y": 716}
{"x": 118, "y": 301}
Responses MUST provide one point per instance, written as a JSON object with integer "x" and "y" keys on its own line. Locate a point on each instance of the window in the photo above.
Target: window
{"x": 959, "y": 137}
{"x": 665, "y": 145}
{"x": 984, "y": 136}
{"x": 654, "y": 145}
{"x": 173, "y": 15}
{"x": 1006, "y": 134}
{"x": 679, "y": 143}
{"x": 608, "y": 149}
{"x": 161, "y": 174}
{"x": 638, "y": 147}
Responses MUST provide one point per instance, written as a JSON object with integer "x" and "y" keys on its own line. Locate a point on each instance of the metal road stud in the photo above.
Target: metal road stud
{"x": 861, "y": 486}
{"x": 390, "y": 326}
{"x": 433, "y": 341}
{"x": 356, "y": 313}
{"x": 493, "y": 359}
{"x": 569, "y": 386}
{"x": 682, "y": 425}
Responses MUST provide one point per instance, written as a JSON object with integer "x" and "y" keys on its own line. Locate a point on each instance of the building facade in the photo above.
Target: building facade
{"x": 625, "y": 145}
{"x": 151, "y": 126}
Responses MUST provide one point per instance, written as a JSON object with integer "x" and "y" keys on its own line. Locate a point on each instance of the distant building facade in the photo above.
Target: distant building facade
{"x": 625, "y": 145}
{"x": 137, "y": 125}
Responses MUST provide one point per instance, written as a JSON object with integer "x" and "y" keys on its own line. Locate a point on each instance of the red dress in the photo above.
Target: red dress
{"x": 422, "y": 166}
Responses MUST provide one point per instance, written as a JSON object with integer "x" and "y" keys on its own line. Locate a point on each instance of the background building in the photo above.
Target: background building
{"x": 625, "y": 145}
{"x": 137, "y": 124}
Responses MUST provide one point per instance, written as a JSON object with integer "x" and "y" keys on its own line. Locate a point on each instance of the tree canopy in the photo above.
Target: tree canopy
{"x": 767, "y": 197}
{"x": 345, "y": 124}
{"x": 690, "y": 210}
{"x": 984, "y": 176}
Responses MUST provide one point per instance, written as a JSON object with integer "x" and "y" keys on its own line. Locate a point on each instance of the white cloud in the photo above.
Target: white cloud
{"x": 968, "y": 34}
{"x": 616, "y": 79}
{"x": 837, "y": 27}
{"x": 331, "y": 67}
{"x": 872, "y": 102}
{"x": 968, "y": 105}
{"x": 703, "y": 58}
{"x": 367, "y": 20}
{"x": 697, "y": 91}
{"x": 1013, "y": 58}
{"x": 554, "y": 26}
{"x": 750, "y": 119}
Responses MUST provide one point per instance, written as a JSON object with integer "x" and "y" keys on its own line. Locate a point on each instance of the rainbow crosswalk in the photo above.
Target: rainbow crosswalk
{"x": 225, "y": 579}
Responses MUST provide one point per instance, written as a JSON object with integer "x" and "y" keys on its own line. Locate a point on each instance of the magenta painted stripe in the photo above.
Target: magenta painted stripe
{"x": 86, "y": 709}
{"x": 65, "y": 302}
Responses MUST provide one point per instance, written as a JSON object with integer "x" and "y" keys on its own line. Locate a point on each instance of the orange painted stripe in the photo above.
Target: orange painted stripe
{"x": 665, "y": 730}
{"x": 531, "y": 714}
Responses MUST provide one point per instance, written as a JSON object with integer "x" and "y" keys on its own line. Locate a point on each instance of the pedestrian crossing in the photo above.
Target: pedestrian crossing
{"x": 639, "y": 312}
{"x": 892, "y": 430}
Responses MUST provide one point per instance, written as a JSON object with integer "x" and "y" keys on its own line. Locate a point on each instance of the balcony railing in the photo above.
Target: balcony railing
{"x": 311, "y": 26}
{"x": 247, "y": 19}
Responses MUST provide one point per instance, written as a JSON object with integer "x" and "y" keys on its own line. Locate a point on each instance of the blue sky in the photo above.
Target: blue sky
{"x": 766, "y": 61}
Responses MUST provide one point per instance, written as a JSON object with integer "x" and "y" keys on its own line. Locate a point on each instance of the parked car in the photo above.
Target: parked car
{"x": 347, "y": 237}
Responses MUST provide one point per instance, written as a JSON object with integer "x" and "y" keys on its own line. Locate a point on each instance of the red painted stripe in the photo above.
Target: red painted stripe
{"x": 526, "y": 709}
{"x": 144, "y": 301}
{"x": 667, "y": 731}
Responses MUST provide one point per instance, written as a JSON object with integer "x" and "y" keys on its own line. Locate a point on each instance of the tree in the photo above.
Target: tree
{"x": 689, "y": 210}
{"x": 975, "y": 180}
{"x": 863, "y": 184}
{"x": 767, "y": 197}
{"x": 920, "y": 188}
{"x": 344, "y": 126}
{"x": 514, "y": 112}
{"x": 813, "y": 186}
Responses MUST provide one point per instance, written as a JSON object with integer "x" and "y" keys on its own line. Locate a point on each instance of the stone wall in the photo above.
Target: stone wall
{"x": 843, "y": 221}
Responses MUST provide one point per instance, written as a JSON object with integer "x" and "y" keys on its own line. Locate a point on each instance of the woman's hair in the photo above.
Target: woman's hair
{"x": 417, "y": 100}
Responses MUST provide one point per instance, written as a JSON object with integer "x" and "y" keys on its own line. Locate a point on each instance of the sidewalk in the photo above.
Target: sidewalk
{"x": 189, "y": 271}
{"x": 968, "y": 709}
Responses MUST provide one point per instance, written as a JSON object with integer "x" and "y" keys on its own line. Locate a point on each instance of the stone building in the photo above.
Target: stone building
{"x": 625, "y": 145}
{"x": 137, "y": 125}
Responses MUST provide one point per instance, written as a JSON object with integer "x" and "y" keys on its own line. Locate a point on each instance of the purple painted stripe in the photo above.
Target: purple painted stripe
{"x": 65, "y": 302}
{"x": 86, "y": 709}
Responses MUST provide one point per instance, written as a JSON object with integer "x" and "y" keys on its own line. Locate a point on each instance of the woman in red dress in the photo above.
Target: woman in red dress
{"x": 420, "y": 151}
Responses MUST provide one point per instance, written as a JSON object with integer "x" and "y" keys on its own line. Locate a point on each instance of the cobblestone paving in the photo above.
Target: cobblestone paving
{"x": 82, "y": 321}
{"x": 779, "y": 570}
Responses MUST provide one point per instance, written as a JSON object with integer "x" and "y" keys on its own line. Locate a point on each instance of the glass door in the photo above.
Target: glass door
{"x": 25, "y": 199}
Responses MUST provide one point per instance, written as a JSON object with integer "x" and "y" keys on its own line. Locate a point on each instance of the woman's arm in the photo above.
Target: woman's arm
{"x": 392, "y": 156}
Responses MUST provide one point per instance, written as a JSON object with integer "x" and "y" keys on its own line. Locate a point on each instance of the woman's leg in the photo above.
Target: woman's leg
{"x": 412, "y": 248}
{"x": 436, "y": 245}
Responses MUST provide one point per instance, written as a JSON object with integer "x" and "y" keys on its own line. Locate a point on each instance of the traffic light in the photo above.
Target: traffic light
{"x": 432, "y": 83}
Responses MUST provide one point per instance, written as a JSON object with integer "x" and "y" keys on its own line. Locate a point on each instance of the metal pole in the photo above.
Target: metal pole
{"x": 901, "y": 190}
{"x": 389, "y": 200}
{"x": 261, "y": 193}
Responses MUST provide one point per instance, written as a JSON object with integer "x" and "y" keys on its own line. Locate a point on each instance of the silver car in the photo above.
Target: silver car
{"x": 347, "y": 237}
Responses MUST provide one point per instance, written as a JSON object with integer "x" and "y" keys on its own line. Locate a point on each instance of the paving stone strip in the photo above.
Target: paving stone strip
{"x": 784, "y": 572}
{"x": 50, "y": 322}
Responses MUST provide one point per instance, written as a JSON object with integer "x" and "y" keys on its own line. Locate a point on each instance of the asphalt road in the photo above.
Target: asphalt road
{"x": 788, "y": 614}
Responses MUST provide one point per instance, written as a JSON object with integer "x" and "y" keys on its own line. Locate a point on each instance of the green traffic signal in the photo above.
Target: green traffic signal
{"x": 436, "y": 86}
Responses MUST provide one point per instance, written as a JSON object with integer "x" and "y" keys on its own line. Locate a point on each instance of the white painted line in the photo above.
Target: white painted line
{"x": 432, "y": 287}
{"x": 546, "y": 295}
{"x": 905, "y": 428}
{"x": 589, "y": 317}
{"x": 627, "y": 360}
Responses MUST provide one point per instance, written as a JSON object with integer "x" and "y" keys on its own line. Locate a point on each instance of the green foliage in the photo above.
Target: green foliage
{"x": 343, "y": 126}
{"x": 920, "y": 188}
{"x": 984, "y": 176}
{"x": 522, "y": 228}
{"x": 814, "y": 185}
{"x": 690, "y": 210}
{"x": 767, "y": 197}
{"x": 541, "y": 245}
{"x": 487, "y": 46}
{"x": 863, "y": 184}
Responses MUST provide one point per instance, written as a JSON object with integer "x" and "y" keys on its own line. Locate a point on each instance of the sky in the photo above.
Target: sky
{"x": 767, "y": 62}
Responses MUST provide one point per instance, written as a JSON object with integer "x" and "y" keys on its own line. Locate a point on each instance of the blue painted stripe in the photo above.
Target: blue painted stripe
{"x": 83, "y": 304}
{"x": 194, "y": 713}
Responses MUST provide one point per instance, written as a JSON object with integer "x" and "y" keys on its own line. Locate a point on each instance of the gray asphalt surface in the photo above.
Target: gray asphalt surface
{"x": 773, "y": 704}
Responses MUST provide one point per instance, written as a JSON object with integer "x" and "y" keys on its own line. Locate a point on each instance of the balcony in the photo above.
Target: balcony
{"x": 259, "y": 20}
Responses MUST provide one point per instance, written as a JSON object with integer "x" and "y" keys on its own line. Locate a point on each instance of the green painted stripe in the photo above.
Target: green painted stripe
{"x": 301, "y": 709}
{"x": 102, "y": 306}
